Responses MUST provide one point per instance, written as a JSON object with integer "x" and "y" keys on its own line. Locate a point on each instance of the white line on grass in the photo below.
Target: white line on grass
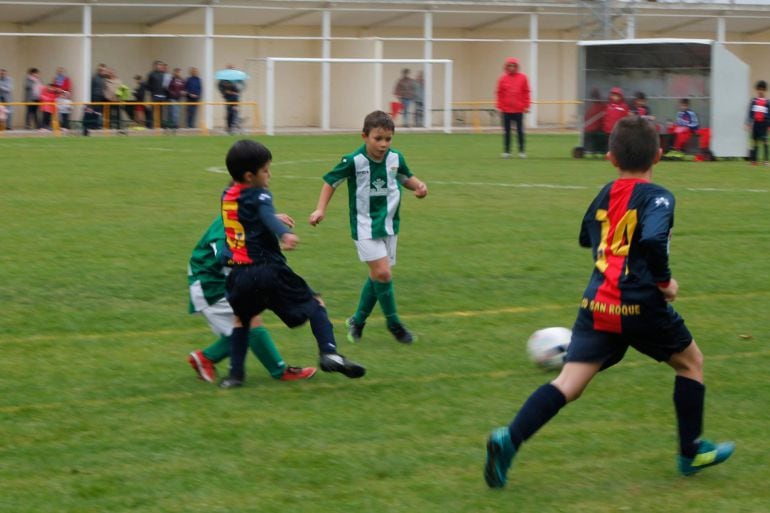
{"x": 222, "y": 170}
{"x": 717, "y": 189}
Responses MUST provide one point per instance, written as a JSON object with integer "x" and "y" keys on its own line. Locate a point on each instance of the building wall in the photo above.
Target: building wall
{"x": 477, "y": 65}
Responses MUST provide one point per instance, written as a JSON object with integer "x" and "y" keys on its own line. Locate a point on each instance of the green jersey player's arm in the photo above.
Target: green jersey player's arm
{"x": 332, "y": 179}
{"x": 410, "y": 181}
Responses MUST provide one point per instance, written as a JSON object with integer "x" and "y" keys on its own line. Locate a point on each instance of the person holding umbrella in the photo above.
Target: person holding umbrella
{"x": 231, "y": 82}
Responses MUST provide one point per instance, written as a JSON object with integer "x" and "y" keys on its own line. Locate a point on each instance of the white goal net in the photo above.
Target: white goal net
{"x": 336, "y": 93}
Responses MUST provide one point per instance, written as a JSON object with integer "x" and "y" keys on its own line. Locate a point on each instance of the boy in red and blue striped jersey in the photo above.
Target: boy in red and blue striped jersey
{"x": 627, "y": 303}
{"x": 759, "y": 119}
{"x": 260, "y": 279}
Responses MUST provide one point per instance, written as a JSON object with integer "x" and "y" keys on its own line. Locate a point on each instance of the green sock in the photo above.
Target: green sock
{"x": 263, "y": 347}
{"x": 387, "y": 300}
{"x": 219, "y": 350}
{"x": 366, "y": 302}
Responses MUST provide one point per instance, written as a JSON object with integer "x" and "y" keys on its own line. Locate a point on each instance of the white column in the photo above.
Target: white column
{"x": 721, "y": 29}
{"x": 631, "y": 25}
{"x": 378, "y": 94}
{"x": 208, "y": 68}
{"x": 326, "y": 69}
{"x": 269, "y": 97}
{"x": 428, "y": 69}
{"x": 448, "y": 97}
{"x": 85, "y": 91}
{"x": 533, "y": 22}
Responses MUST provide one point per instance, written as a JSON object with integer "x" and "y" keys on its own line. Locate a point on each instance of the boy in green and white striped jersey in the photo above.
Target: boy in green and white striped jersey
{"x": 375, "y": 174}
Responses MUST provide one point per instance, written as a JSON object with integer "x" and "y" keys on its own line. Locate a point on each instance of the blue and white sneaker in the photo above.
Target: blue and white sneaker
{"x": 708, "y": 454}
{"x": 500, "y": 453}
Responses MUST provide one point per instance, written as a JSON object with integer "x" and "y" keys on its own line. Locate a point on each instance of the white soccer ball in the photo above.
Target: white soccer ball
{"x": 547, "y": 347}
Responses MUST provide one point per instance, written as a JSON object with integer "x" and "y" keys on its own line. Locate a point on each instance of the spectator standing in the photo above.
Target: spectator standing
{"x": 6, "y": 95}
{"x": 136, "y": 112}
{"x": 193, "y": 89}
{"x": 156, "y": 87}
{"x": 64, "y": 108}
{"x": 61, "y": 81}
{"x": 419, "y": 99}
{"x": 513, "y": 101}
{"x": 404, "y": 91}
{"x": 175, "y": 95}
{"x": 231, "y": 94}
{"x": 112, "y": 86}
{"x": 48, "y": 94}
{"x": 97, "y": 88}
{"x": 32, "y": 89}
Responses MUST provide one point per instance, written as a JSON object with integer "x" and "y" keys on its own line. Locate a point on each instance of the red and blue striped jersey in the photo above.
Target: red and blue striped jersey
{"x": 758, "y": 111}
{"x": 251, "y": 227}
{"x": 628, "y": 227}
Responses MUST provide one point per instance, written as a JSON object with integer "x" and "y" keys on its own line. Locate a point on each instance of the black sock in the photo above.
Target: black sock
{"x": 239, "y": 345}
{"x": 323, "y": 331}
{"x": 689, "y": 397}
{"x": 542, "y": 405}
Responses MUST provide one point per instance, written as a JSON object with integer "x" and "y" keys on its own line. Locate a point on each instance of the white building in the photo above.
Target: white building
{"x": 475, "y": 35}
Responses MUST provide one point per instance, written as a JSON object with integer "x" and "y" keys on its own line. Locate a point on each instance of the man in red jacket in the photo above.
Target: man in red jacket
{"x": 513, "y": 102}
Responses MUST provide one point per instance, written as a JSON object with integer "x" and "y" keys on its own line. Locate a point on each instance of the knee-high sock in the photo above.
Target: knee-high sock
{"x": 239, "y": 345}
{"x": 263, "y": 347}
{"x": 323, "y": 331}
{"x": 689, "y": 397}
{"x": 542, "y": 406}
{"x": 366, "y": 302}
{"x": 387, "y": 299}
{"x": 219, "y": 350}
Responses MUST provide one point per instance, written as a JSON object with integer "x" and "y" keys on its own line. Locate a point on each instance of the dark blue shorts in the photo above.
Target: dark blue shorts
{"x": 252, "y": 289}
{"x": 659, "y": 340}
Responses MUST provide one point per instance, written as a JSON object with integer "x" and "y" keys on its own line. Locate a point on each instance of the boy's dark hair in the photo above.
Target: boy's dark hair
{"x": 685, "y": 101}
{"x": 378, "y": 119}
{"x": 641, "y": 96}
{"x": 761, "y": 85}
{"x": 246, "y": 155}
{"x": 634, "y": 143}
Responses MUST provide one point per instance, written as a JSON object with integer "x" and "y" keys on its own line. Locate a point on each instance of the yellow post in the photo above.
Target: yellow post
{"x": 55, "y": 121}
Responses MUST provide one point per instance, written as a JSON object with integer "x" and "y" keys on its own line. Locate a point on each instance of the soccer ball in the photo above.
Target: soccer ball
{"x": 547, "y": 347}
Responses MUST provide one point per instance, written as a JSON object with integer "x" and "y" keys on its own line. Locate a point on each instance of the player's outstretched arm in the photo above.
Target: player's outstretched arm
{"x": 327, "y": 191}
{"x": 418, "y": 186}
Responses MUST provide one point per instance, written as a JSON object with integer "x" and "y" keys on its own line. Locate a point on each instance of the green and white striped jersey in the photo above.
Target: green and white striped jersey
{"x": 374, "y": 191}
{"x": 205, "y": 273}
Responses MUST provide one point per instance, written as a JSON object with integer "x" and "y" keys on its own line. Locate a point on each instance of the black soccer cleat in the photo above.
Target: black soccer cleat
{"x": 230, "y": 382}
{"x": 334, "y": 362}
{"x": 401, "y": 334}
{"x": 355, "y": 330}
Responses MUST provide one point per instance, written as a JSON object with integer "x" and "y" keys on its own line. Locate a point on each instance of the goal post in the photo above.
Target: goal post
{"x": 270, "y": 90}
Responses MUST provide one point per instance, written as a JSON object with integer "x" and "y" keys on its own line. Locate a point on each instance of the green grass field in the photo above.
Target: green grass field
{"x": 99, "y": 411}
